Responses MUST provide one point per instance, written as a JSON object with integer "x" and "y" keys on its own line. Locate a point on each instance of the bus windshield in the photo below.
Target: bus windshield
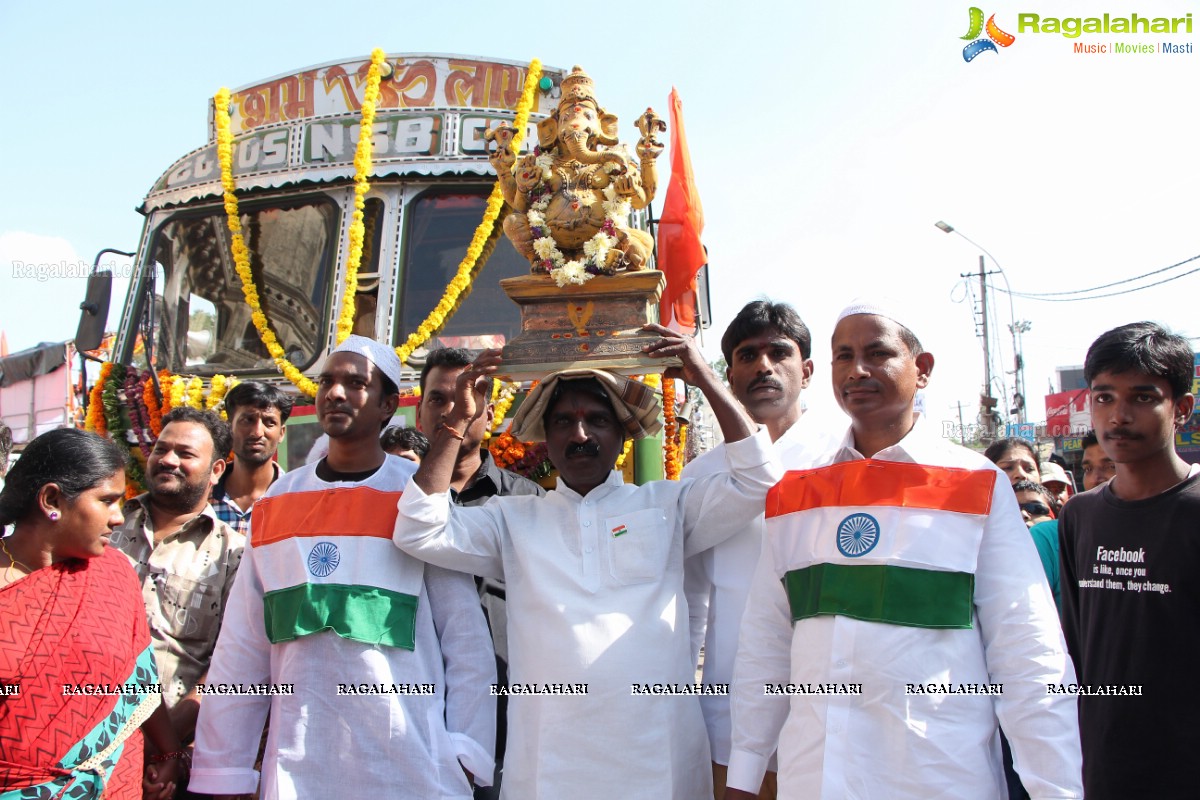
{"x": 438, "y": 230}
{"x": 203, "y": 321}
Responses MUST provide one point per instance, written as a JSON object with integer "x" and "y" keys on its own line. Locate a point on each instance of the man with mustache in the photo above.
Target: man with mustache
{"x": 767, "y": 349}
{"x": 594, "y": 577}
{"x": 475, "y": 480}
{"x": 387, "y": 660}
{"x": 1129, "y": 555}
{"x": 257, "y": 413}
{"x": 900, "y": 608}
{"x": 184, "y": 556}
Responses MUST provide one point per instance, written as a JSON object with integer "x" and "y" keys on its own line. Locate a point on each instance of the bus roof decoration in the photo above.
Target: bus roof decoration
{"x": 304, "y": 126}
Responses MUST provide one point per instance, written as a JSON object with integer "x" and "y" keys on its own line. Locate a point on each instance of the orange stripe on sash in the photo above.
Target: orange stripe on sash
{"x": 870, "y": 482}
{"x": 352, "y": 511}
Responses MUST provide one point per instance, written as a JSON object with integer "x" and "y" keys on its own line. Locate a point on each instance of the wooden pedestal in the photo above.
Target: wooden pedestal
{"x": 594, "y": 325}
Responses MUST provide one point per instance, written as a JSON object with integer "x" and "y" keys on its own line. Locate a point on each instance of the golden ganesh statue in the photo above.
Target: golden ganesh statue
{"x": 572, "y": 195}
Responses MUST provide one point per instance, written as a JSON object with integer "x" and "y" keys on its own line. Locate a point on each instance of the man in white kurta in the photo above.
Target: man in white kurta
{"x": 378, "y": 667}
{"x": 768, "y": 349}
{"x": 594, "y": 572}
{"x": 900, "y": 606}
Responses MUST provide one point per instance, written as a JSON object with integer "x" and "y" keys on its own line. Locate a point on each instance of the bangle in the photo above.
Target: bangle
{"x": 161, "y": 757}
{"x": 451, "y": 431}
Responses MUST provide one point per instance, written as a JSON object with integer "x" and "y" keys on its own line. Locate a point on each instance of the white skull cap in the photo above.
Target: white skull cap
{"x": 879, "y": 306}
{"x": 381, "y": 355}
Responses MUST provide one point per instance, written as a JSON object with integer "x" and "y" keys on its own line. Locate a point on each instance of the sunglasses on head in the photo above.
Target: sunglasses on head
{"x": 1036, "y": 509}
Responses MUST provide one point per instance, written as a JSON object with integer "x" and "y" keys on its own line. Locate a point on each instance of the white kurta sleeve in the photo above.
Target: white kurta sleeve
{"x": 230, "y": 727}
{"x": 763, "y": 657}
{"x": 697, "y": 588}
{"x": 465, "y": 540}
{"x": 1025, "y": 652}
{"x": 717, "y": 506}
{"x": 470, "y": 665}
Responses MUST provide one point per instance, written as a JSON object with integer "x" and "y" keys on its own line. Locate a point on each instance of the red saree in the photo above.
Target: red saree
{"x": 74, "y": 639}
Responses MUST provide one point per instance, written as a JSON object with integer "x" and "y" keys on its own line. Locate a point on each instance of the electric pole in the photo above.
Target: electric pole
{"x": 987, "y": 403}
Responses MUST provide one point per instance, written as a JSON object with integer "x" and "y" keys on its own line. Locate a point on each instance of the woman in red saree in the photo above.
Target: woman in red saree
{"x": 77, "y": 676}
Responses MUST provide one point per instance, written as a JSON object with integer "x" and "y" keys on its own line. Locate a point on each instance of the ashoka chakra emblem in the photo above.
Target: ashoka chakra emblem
{"x": 857, "y": 534}
{"x": 323, "y": 559}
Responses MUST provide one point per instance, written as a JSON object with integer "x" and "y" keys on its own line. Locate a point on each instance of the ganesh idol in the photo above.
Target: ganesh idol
{"x": 571, "y": 197}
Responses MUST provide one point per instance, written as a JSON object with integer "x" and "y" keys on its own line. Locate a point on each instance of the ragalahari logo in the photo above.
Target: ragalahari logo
{"x": 995, "y": 36}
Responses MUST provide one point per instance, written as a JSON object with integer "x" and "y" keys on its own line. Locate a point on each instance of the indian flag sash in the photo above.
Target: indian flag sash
{"x": 882, "y": 541}
{"x": 327, "y": 562}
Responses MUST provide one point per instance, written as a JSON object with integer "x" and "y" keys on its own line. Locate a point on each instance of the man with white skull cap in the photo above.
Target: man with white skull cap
{"x": 389, "y": 660}
{"x": 899, "y": 611}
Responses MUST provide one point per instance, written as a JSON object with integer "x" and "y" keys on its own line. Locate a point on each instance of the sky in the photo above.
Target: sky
{"x": 827, "y": 138}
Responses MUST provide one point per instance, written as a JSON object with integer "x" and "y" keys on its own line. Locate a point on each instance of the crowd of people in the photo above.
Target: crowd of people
{"x": 878, "y": 611}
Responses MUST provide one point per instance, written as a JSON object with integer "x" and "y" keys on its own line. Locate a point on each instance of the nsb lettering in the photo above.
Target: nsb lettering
{"x": 333, "y": 142}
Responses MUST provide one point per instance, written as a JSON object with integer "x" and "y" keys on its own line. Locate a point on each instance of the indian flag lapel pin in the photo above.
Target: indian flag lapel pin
{"x": 619, "y": 531}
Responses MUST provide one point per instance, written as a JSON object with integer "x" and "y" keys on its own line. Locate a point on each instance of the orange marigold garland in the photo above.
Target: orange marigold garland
{"x": 672, "y": 462}
{"x": 95, "y": 416}
{"x": 524, "y": 458}
{"x": 153, "y": 407}
{"x": 165, "y": 381}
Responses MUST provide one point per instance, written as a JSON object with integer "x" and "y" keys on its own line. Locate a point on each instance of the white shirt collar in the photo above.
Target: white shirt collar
{"x": 914, "y": 447}
{"x": 613, "y": 480}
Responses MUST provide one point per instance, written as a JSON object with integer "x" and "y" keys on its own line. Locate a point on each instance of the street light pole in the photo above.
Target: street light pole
{"x": 1015, "y": 328}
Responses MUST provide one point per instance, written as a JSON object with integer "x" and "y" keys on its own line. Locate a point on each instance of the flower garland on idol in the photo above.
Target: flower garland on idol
{"x": 595, "y": 250}
{"x": 495, "y": 202}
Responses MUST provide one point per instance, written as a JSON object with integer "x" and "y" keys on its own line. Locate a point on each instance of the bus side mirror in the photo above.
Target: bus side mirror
{"x": 94, "y": 311}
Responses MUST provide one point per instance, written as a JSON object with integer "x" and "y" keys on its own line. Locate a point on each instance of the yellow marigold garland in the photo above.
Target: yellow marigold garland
{"x": 462, "y": 278}
{"x": 653, "y": 380}
{"x": 625, "y": 451}
{"x": 178, "y": 388}
{"x": 362, "y": 174}
{"x": 241, "y": 255}
{"x": 503, "y": 400}
{"x": 216, "y": 392}
{"x": 195, "y": 394}
{"x": 671, "y": 461}
{"x": 165, "y": 381}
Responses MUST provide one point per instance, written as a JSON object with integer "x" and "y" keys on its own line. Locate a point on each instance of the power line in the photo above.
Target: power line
{"x": 1110, "y": 294}
{"x": 1044, "y": 295}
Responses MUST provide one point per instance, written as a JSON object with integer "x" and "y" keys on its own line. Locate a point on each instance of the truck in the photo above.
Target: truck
{"x": 186, "y": 330}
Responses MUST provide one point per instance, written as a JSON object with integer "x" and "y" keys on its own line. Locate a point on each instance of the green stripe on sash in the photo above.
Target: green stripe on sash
{"x": 362, "y": 613}
{"x": 920, "y": 598}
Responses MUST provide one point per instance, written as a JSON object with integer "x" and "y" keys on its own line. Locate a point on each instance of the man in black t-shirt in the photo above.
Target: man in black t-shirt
{"x": 1130, "y": 552}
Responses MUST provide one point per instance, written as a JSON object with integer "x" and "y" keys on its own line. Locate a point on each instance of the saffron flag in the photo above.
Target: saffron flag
{"x": 680, "y": 254}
